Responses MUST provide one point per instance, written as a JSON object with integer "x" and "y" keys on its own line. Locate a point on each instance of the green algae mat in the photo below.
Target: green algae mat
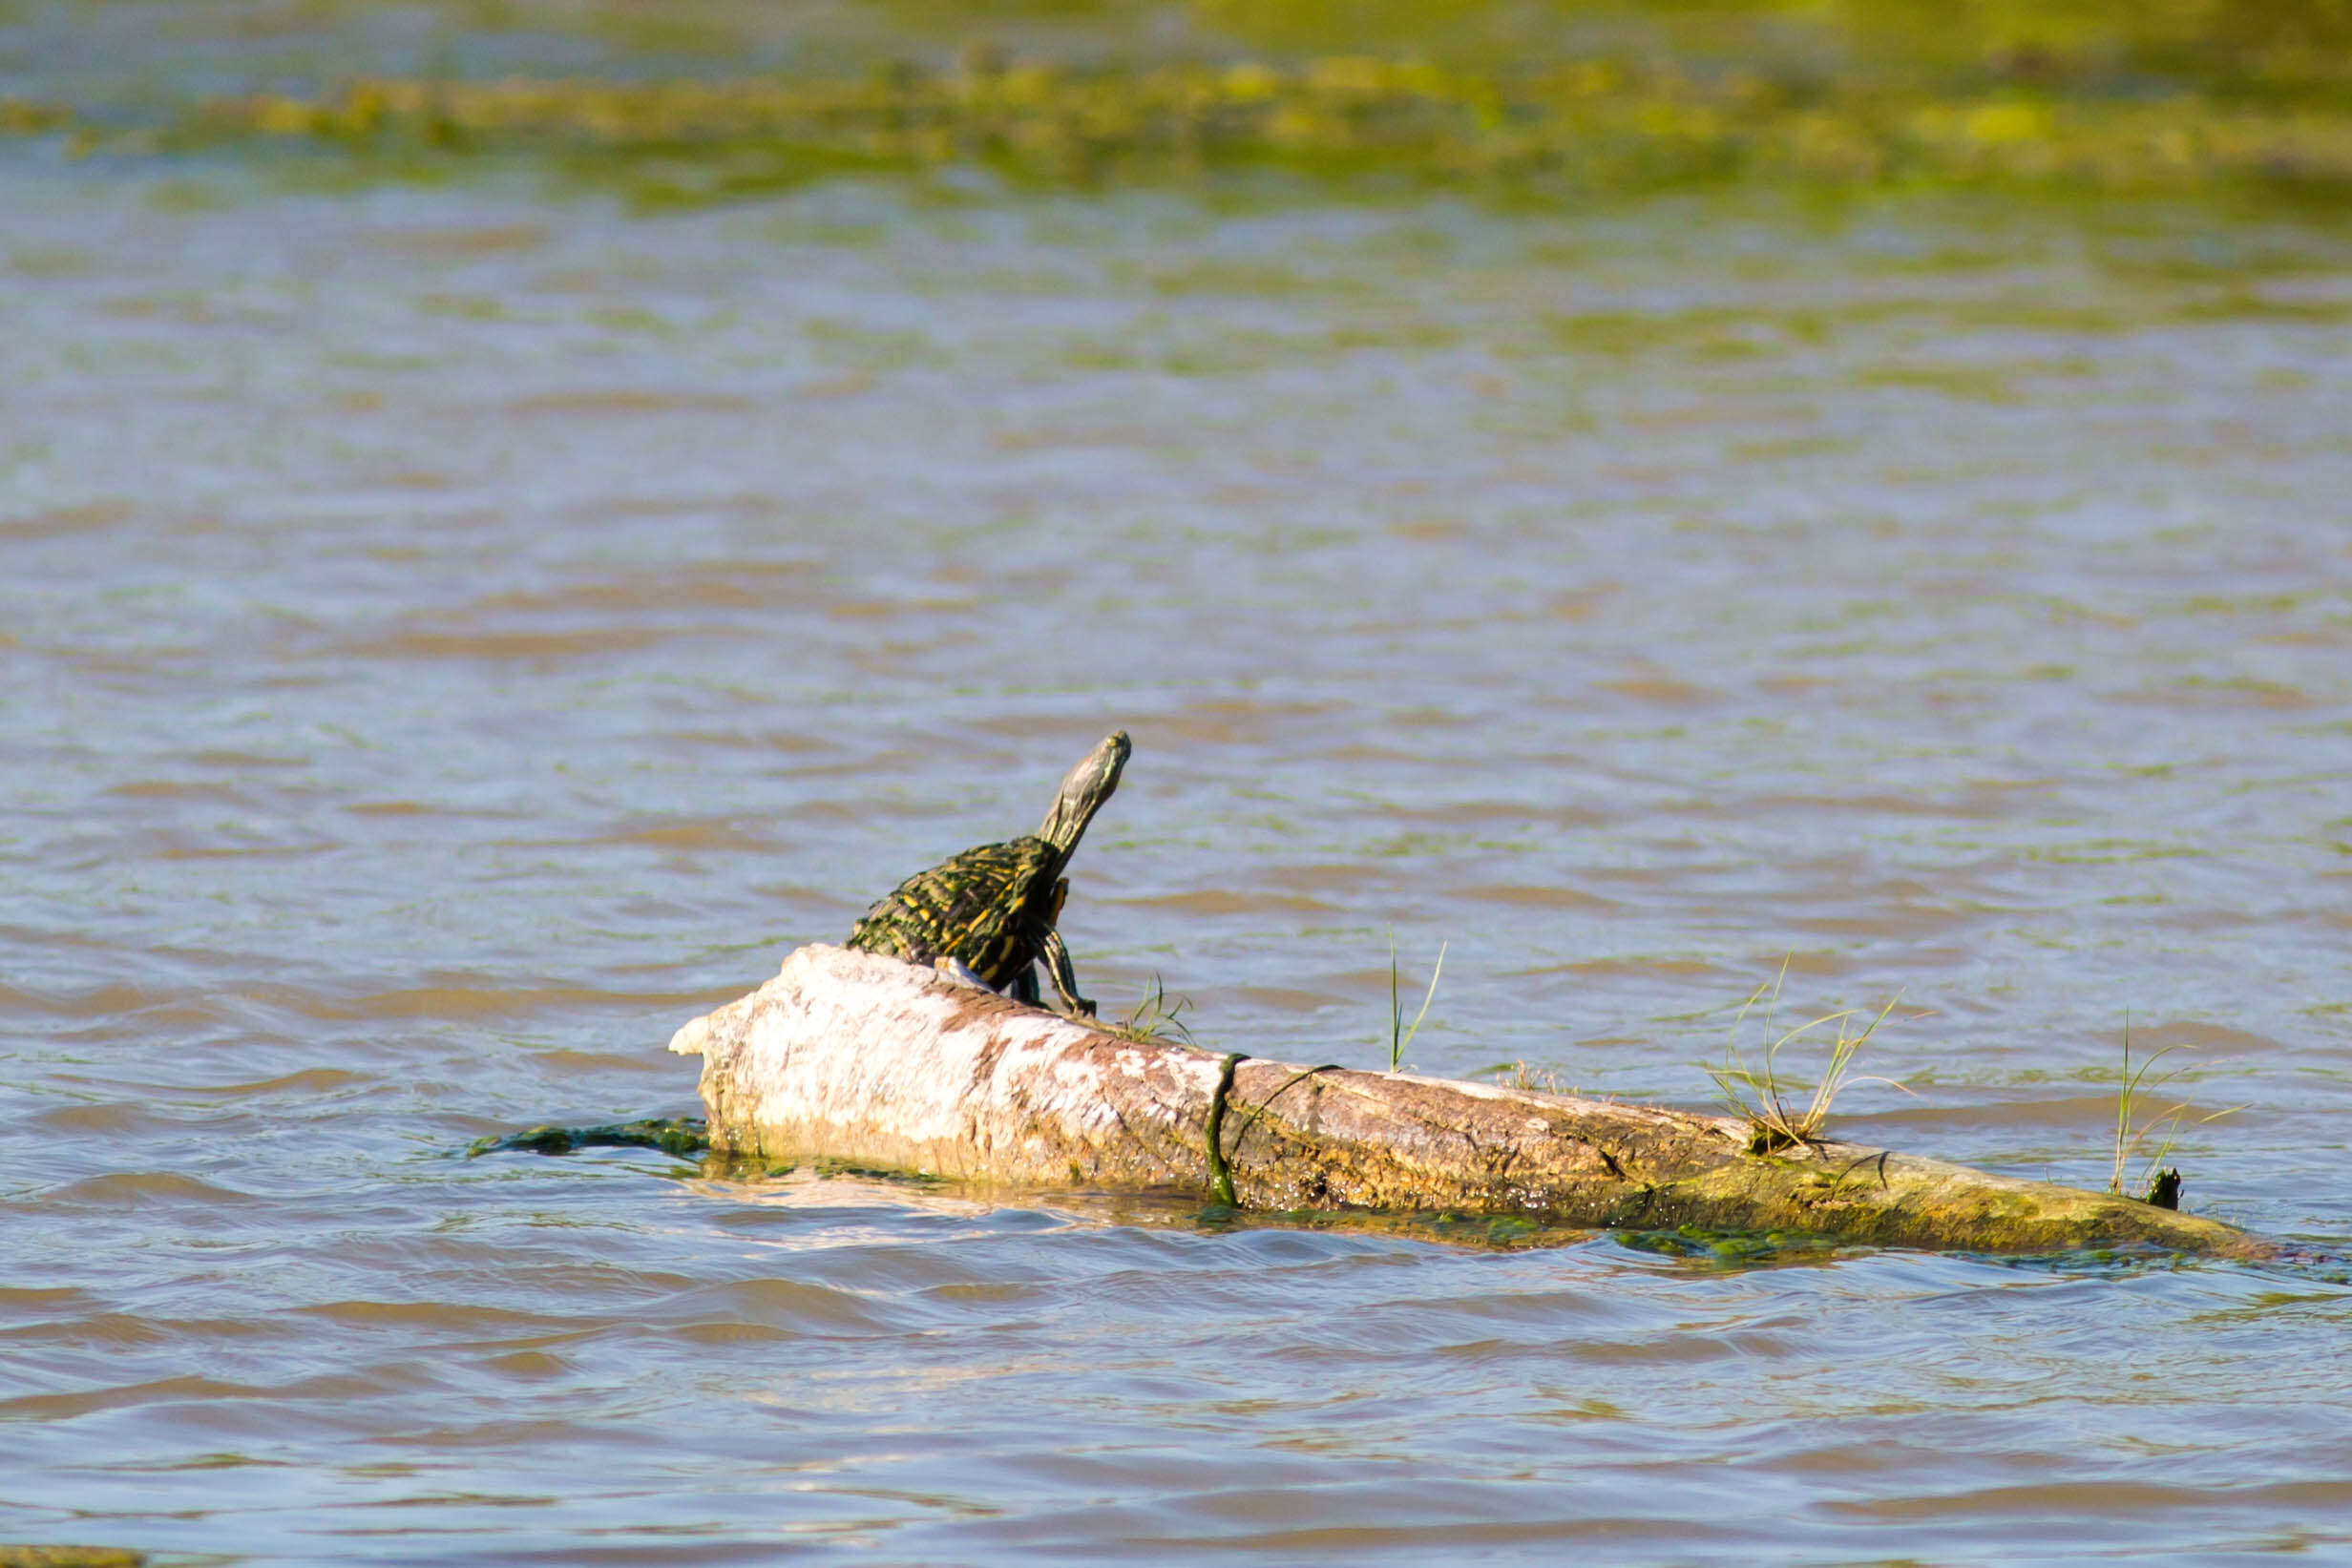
{"x": 1542, "y": 102}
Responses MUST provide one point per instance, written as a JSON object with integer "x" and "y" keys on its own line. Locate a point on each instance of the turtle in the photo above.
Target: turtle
{"x": 993, "y": 909}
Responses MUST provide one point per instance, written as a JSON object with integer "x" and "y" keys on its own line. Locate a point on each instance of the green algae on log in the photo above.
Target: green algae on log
{"x": 859, "y": 1057}
{"x": 671, "y": 1135}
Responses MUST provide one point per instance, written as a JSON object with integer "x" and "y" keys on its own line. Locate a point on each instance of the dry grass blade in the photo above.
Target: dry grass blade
{"x": 1525, "y": 1074}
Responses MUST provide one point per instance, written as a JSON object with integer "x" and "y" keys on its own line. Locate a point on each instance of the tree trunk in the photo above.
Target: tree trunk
{"x": 868, "y": 1060}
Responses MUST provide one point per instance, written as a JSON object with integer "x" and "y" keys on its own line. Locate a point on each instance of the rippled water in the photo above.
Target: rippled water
{"x": 452, "y": 635}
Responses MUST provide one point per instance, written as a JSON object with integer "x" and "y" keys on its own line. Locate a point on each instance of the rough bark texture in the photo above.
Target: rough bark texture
{"x": 870, "y": 1060}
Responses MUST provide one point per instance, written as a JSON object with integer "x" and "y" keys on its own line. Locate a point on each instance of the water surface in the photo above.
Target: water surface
{"x": 451, "y": 636}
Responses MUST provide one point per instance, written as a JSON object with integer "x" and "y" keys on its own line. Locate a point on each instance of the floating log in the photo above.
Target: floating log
{"x": 873, "y": 1061}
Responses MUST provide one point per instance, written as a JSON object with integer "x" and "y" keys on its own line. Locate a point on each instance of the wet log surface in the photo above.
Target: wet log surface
{"x": 868, "y": 1060}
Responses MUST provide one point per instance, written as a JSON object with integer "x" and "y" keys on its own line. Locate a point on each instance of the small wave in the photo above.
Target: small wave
{"x": 144, "y": 1190}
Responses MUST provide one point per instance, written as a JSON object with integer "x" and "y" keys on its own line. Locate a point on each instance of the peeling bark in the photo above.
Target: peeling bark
{"x": 864, "y": 1058}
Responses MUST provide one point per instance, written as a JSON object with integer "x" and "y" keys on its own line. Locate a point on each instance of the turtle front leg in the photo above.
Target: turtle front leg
{"x": 1024, "y": 986}
{"x": 1057, "y": 969}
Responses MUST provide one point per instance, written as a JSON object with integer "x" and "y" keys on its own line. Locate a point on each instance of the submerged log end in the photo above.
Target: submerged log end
{"x": 1876, "y": 1197}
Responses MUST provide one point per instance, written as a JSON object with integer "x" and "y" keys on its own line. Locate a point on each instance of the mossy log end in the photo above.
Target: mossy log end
{"x": 864, "y": 1058}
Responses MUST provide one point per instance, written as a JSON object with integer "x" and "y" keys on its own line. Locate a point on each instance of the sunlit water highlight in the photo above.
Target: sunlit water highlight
{"x": 451, "y": 636}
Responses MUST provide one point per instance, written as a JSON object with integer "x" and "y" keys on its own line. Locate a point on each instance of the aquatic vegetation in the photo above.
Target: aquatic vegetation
{"x": 829, "y": 1169}
{"x": 1732, "y": 1250}
{"x": 1399, "y": 1037}
{"x": 1761, "y": 1095}
{"x": 670, "y": 1135}
{"x": 2031, "y": 112}
{"x": 70, "y": 1556}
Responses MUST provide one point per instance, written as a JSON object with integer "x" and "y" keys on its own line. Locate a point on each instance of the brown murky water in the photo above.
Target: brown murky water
{"x": 451, "y": 636}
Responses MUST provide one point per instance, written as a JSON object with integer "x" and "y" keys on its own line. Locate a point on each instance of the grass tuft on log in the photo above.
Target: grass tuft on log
{"x": 2158, "y": 1183}
{"x": 1155, "y": 1019}
{"x": 1760, "y": 1096}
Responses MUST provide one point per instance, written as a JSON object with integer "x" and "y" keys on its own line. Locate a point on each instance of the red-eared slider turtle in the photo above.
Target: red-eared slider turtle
{"x": 993, "y": 909}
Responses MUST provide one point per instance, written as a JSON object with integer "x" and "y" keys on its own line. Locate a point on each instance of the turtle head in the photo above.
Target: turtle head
{"x": 1083, "y": 793}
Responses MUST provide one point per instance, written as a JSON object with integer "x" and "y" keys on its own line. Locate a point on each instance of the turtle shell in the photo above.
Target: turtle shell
{"x": 990, "y": 907}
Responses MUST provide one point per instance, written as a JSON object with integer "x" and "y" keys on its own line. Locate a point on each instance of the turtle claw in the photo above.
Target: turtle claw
{"x": 1057, "y": 956}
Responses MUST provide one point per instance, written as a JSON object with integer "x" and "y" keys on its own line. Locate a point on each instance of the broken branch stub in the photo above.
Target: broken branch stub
{"x": 868, "y": 1060}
